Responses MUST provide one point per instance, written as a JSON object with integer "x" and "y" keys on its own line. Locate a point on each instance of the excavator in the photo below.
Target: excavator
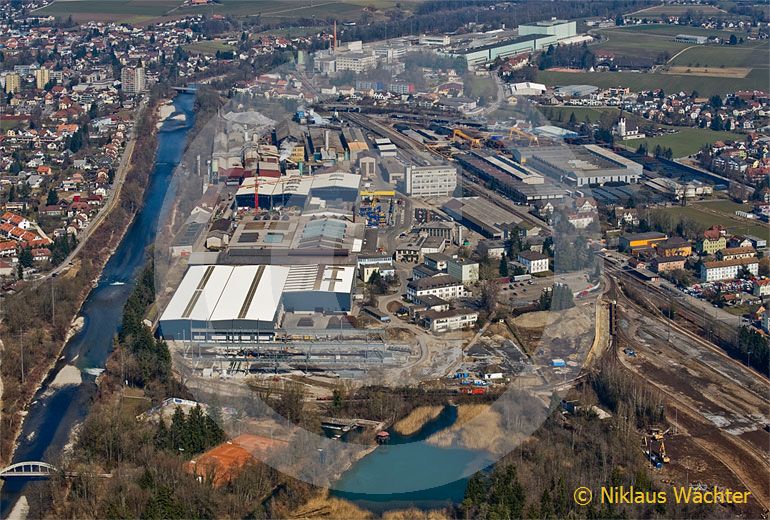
{"x": 662, "y": 452}
{"x": 657, "y": 434}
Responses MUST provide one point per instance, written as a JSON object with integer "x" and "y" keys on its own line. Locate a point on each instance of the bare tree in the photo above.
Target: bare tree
{"x": 490, "y": 292}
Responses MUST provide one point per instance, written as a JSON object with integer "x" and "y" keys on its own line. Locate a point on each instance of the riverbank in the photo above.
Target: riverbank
{"x": 168, "y": 112}
{"x": 96, "y": 257}
{"x": 417, "y": 418}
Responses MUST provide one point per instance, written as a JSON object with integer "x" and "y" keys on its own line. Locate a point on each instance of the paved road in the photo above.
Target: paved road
{"x": 112, "y": 199}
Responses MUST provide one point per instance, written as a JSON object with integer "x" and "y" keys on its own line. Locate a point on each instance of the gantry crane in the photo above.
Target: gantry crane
{"x": 532, "y": 139}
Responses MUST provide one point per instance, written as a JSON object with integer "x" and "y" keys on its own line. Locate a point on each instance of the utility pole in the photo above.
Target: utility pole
{"x": 53, "y": 299}
{"x": 21, "y": 350}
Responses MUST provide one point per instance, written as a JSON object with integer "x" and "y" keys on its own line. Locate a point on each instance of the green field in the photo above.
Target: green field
{"x": 137, "y": 11}
{"x": 209, "y": 47}
{"x": 131, "y": 11}
{"x": 678, "y": 10}
{"x": 750, "y": 55}
{"x": 706, "y": 86}
{"x": 685, "y": 142}
{"x": 593, "y": 114}
{"x": 627, "y": 41}
{"x": 650, "y": 40}
{"x": 731, "y": 223}
{"x": 292, "y": 32}
{"x": 672, "y": 30}
{"x": 724, "y": 206}
{"x": 477, "y": 86}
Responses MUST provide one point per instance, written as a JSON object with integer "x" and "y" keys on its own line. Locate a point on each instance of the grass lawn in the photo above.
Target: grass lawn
{"x": 724, "y": 206}
{"x": 7, "y": 124}
{"x": 673, "y": 30}
{"x": 732, "y": 224}
{"x": 209, "y": 47}
{"x": 477, "y": 86}
{"x": 706, "y": 86}
{"x": 594, "y": 114}
{"x": 292, "y": 32}
{"x": 678, "y": 10}
{"x": 750, "y": 55}
{"x": 685, "y": 142}
{"x": 625, "y": 41}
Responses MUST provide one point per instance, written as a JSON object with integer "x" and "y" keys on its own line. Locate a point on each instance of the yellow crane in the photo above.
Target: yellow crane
{"x": 522, "y": 134}
{"x": 474, "y": 141}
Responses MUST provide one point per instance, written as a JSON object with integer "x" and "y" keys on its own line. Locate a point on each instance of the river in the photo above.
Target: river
{"x": 405, "y": 472}
{"x": 56, "y": 411}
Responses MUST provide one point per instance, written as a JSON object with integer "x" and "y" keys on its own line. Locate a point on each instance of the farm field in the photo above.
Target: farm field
{"x": 706, "y": 86}
{"x": 678, "y": 10}
{"x": 685, "y": 142}
{"x": 661, "y": 29}
{"x": 710, "y": 72}
{"x": 749, "y": 55}
{"x": 637, "y": 44}
{"x": 650, "y": 40}
{"x": 702, "y": 214}
{"x": 129, "y": 11}
{"x": 137, "y": 11}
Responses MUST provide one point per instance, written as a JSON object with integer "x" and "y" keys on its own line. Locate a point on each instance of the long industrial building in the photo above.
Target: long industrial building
{"x": 246, "y": 303}
{"x": 587, "y": 165}
{"x": 515, "y": 180}
{"x": 531, "y": 38}
{"x": 295, "y": 190}
{"x": 504, "y": 49}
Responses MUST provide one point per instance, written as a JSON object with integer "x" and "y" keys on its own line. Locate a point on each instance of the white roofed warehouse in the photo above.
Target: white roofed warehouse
{"x": 246, "y": 303}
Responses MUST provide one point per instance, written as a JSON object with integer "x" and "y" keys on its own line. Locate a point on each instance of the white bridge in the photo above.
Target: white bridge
{"x": 28, "y": 470}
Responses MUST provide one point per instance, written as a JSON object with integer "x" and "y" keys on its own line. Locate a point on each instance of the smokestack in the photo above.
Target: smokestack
{"x": 334, "y": 39}
{"x": 326, "y": 140}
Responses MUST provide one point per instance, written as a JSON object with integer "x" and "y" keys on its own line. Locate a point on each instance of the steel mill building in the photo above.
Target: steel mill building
{"x": 246, "y": 303}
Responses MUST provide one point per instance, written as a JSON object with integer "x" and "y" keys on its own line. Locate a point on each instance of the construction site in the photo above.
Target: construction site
{"x": 716, "y": 431}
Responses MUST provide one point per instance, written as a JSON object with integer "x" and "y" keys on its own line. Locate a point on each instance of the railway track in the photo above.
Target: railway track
{"x": 744, "y": 460}
{"x": 696, "y": 319}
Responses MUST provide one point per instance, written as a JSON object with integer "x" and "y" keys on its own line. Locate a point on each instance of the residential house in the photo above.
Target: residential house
{"x": 449, "y": 320}
{"x": 713, "y": 240}
{"x": 444, "y": 286}
{"x": 662, "y": 264}
{"x": 467, "y": 271}
{"x": 728, "y": 269}
{"x": 534, "y": 262}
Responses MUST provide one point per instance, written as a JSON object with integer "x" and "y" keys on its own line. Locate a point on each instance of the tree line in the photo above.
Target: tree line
{"x": 537, "y": 479}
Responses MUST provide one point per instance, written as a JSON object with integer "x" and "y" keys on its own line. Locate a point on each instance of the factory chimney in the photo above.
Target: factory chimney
{"x": 334, "y": 39}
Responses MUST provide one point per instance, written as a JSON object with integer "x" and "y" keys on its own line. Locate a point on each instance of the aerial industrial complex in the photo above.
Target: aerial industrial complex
{"x": 245, "y": 243}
